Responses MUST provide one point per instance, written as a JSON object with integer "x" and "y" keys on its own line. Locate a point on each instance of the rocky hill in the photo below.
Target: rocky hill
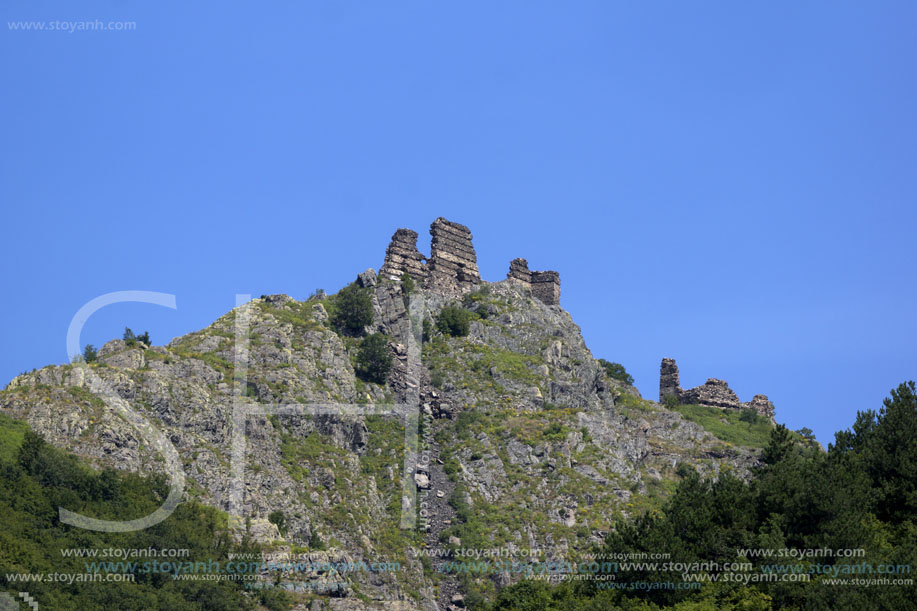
{"x": 521, "y": 439}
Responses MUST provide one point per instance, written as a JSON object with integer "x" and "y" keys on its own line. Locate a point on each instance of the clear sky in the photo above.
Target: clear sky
{"x": 730, "y": 184}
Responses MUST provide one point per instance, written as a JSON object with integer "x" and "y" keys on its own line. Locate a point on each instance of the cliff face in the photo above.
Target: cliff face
{"x": 519, "y": 425}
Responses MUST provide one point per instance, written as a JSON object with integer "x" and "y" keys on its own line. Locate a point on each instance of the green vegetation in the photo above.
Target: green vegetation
{"x": 36, "y": 479}
{"x": 859, "y": 495}
{"x": 90, "y": 354}
{"x": 741, "y": 427}
{"x": 279, "y": 519}
{"x": 353, "y": 310}
{"x": 407, "y": 287}
{"x": 374, "y": 359}
{"x": 131, "y": 340}
{"x": 296, "y": 313}
{"x": 454, "y": 320}
{"x": 617, "y": 371}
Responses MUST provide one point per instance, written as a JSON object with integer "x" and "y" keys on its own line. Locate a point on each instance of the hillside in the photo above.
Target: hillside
{"x": 522, "y": 440}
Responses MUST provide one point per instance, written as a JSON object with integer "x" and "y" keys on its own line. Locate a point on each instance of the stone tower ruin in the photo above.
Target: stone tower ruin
{"x": 452, "y": 267}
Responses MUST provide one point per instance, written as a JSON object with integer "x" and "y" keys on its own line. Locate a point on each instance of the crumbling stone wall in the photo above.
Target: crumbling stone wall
{"x": 669, "y": 384}
{"x": 545, "y": 285}
{"x": 452, "y": 266}
{"x": 519, "y": 271}
{"x": 713, "y": 392}
{"x": 402, "y": 257}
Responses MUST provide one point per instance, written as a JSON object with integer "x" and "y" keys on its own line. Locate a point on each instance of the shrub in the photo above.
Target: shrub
{"x": 454, "y": 320}
{"x": 279, "y": 519}
{"x": 407, "y": 283}
{"x": 353, "y": 310}
{"x": 670, "y": 401}
{"x": 315, "y": 542}
{"x": 617, "y": 372}
{"x": 90, "y": 354}
{"x": 374, "y": 361}
{"x": 130, "y": 339}
{"x": 749, "y": 415}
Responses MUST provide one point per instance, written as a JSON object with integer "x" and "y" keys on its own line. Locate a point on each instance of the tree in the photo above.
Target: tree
{"x": 353, "y": 310}
{"x": 279, "y": 519}
{"x": 129, "y": 338}
{"x": 454, "y": 320}
{"x": 617, "y": 371}
{"x": 374, "y": 361}
{"x": 145, "y": 338}
{"x": 90, "y": 354}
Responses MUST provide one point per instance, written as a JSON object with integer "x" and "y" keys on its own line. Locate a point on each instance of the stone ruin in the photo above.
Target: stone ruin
{"x": 545, "y": 285}
{"x": 715, "y": 393}
{"x": 452, "y": 267}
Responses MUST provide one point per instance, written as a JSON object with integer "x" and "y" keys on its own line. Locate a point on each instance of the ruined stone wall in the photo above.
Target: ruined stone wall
{"x": 668, "y": 380}
{"x": 452, "y": 266}
{"x": 402, "y": 257}
{"x": 546, "y": 287}
{"x": 713, "y": 392}
{"x": 519, "y": 271}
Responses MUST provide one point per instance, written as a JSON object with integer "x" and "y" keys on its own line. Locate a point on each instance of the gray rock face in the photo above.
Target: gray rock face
{"x": 518, "y": 413}
{"x": 367, "y": 279}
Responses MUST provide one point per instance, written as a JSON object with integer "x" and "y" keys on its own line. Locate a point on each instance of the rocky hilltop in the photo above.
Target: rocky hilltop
{"x": 525, "y": 440}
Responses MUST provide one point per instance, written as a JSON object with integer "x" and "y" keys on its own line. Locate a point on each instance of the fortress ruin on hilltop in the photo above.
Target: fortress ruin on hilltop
{"x": 715, "y": 393}
{"x": 452, "y": 267}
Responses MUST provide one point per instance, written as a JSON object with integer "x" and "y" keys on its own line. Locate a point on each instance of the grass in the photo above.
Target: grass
{"x": 11, "y": 433}
{"x": 728, "y": 425}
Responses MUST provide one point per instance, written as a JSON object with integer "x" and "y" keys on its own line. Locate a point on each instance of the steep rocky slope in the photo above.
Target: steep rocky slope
{"x": 525, "y": 442}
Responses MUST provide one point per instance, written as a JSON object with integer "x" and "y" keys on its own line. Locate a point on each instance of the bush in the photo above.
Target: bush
{"x": 130, "y": 339}
{"x": 670, "y": 401}
{"x": 617, "y": 372}
{"x": 315, "y": 542}
{"x": 279, "y": 519}
{"x": 454, "y": 321}
{"x": 353, "y": 310}
{"x": 374, "y": 361}
{"x": 749, "y": 415}
{"x": 90, "y": 354}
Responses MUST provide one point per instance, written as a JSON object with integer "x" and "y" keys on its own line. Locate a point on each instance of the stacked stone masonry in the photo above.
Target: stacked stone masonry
{"x": 713, "y": 392}
{"x": 452, "y": 268}
{"x": 545, "y": 285}
{"x": 402, "y": 257}
{"x": 453, "y": 265}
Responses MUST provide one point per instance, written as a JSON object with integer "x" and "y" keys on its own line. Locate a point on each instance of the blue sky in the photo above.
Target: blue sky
{"x": 729, "y": 184}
